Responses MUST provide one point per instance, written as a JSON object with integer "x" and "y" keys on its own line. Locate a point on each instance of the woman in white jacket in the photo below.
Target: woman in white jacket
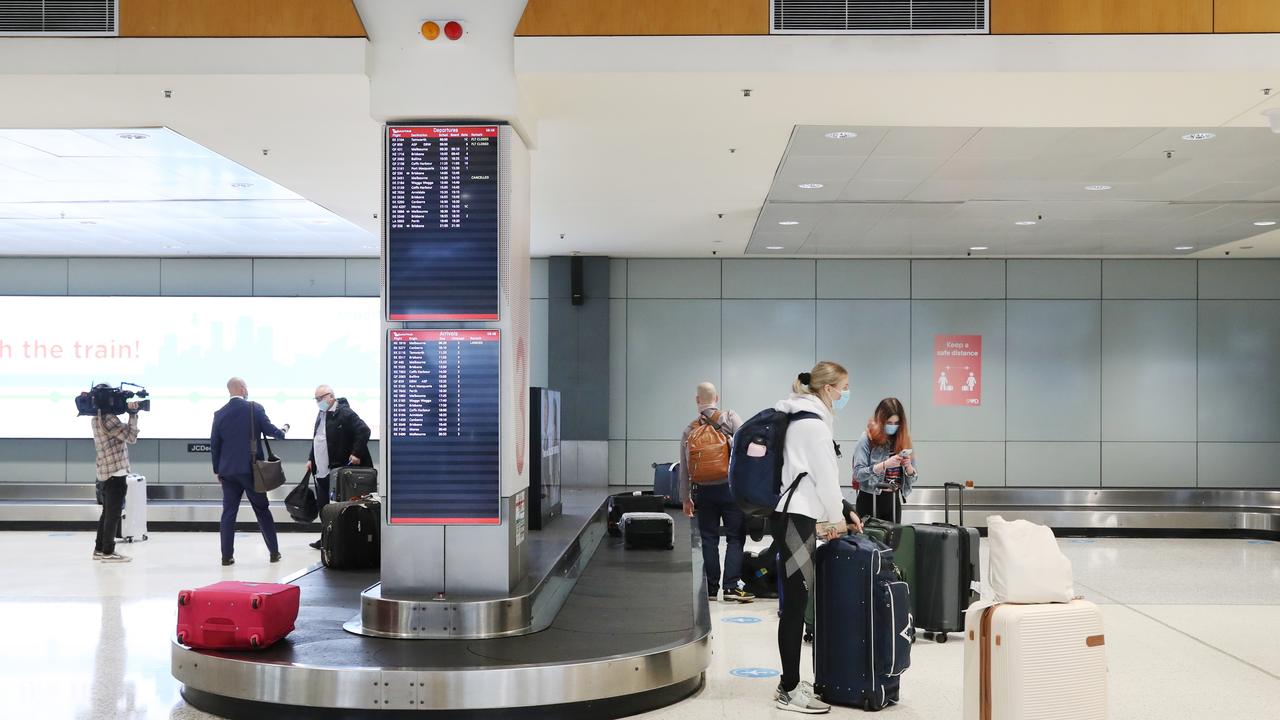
{"x": 811, "y": 495}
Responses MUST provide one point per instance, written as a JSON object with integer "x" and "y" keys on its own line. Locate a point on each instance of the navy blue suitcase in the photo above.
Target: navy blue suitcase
{"x": 666, "y": 477}
{"x": 861, "y": 600}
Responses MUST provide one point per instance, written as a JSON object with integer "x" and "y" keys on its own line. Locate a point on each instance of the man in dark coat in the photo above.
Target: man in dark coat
{"x": 339, "y": 438}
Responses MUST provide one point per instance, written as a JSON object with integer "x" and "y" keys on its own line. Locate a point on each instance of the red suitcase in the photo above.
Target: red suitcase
{"x": 236, "y": 615}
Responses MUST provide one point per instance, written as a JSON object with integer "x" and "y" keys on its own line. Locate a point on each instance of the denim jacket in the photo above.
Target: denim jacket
{"x": 866, "y": 457}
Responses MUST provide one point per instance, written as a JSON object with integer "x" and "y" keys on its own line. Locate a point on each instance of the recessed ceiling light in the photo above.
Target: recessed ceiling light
{"x": 841, "y": 135}
{"x": 788, "y": 222}
{"x": 1265, "y": 223}
{"x": 88, "y": 222}
{"x": 241, "y": 184}
{"x": 774, "y": 247}
{"x": 1184, "y": 247}
{"x": 1246, "y": 247}
{"x": 979, "y": 247}
{"x": 1199, "y": 136}
{"x": 809, "y": 186}
{"x": 1025, "y": 222}
{"x": 1097, "y": 188}
{"x": 132, "y": 136}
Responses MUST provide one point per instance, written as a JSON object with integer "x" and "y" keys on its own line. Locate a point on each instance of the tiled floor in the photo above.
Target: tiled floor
{"x": 1192, "y": 628}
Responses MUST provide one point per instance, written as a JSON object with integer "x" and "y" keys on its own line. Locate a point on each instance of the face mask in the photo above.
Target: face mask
{"x": 322, "y": 404}
{"x": 891, "y": 429}
{"x": 841, "y": 402}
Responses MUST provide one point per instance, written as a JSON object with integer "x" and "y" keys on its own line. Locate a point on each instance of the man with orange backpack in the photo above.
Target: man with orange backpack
{"x": 704, "y": 488}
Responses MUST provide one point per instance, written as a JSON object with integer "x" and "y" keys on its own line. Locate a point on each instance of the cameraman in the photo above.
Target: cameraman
{"x": 111, "y": 441}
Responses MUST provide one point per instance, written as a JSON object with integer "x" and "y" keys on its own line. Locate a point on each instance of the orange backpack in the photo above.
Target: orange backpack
{"x": 708, "y": 450}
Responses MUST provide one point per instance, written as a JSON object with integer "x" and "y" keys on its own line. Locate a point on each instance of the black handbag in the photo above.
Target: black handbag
{"x": 301, "y": 501}
{"x": 267, "y": 474}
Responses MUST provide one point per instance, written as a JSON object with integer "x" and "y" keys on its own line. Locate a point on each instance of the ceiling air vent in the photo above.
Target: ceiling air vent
{"x": 870, "y": 17}
{"x": 58, "y": 18}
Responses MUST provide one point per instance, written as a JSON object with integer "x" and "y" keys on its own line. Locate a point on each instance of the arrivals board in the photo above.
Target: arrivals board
{"x": 442, "y": 209}
{"x": 443, "y": 419}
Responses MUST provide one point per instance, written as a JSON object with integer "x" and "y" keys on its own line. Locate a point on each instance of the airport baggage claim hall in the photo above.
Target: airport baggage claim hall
{"x": 547, "y": 309}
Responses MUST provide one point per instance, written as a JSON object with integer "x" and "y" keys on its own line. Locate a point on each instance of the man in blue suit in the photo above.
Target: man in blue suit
{"x": 231, "y": 446}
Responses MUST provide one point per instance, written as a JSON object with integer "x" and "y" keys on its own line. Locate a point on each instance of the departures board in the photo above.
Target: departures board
{"x": 443, "y": 433}
{"x": 442, "y": 223}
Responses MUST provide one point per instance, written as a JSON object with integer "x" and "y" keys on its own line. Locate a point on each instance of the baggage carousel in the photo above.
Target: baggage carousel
{"x": 631, "y": 635}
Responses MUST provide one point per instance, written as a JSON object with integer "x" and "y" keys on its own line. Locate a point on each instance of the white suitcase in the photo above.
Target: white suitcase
{"x": 1046, "y": 662}
{"x": 133, "y": 520}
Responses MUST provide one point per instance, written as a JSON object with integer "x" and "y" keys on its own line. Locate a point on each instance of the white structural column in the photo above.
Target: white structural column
{"x": 467, "y": 81}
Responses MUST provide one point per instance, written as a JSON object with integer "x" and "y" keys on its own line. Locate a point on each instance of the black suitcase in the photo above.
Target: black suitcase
{"x": 350, "y": 537}
{"x": 863, "y": 624}
{"x": 648, "y": 530}
{"x": 946, "y": 565}
{"x": 353, "y": 481}
{"x": 623, "y": 503}
{"x": 760, "y": 574}
{"x": 666, "y": 479}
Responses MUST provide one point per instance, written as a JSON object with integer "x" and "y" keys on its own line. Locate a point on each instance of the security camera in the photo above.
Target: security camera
{"x": 720, "y": 215}
{"x": 714, "y": 252}
{"x": 1273, "y": 117}
{"x": 746, "y": 92}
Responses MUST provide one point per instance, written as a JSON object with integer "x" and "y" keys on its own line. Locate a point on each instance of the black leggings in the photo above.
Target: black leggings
{"x": 887, "y": 506}
{"x": 795, "y": 594}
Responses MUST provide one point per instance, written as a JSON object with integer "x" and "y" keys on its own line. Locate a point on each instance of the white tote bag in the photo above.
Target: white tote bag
{"x": 1026, "y": 564}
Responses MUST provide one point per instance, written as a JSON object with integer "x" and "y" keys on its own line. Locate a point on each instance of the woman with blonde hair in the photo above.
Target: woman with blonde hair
{"x": 811, "y": 495}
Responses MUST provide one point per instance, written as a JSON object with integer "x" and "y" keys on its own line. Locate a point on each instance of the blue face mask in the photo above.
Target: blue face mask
{"x": 841, "y": 402}
{"x": 891, "y": 429}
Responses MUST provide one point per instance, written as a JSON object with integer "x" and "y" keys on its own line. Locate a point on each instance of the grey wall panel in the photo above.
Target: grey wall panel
{"x": 847, "y": 329}
{"x": 617, "y": 462}
{"x": 538, "y": 277}
{"x": 1149, "y": 279}
{"x": 766, "y": 344}
{"x": 362, "y": 277}
{"x": 958, "y": 317}
{"x": 1053, "y": 464}
{"x": 538, "y": 343}
{"x": 593, "y": 463}
{"x": 1055, "y": 279}
{"x": 33, "y": 276}
{"x": 642, "y": 454}
{"x": 960, "y": 462}
{"x": 1149, "y": 370}
{"x": 1054, "y": 374}
{"x": 1239, "y": 465}
{"x": 672, "y": 345}
{"x": 34, "y": 461}
{"x": 569, "y": 463}
{"x": 1240, "y": 280}
{"x": 1239, "y": 396}
{"x": 618, "y": 369}
{"x": 113, "y": 276}
{"x": 144, "y": 459}
{"x": 298, "y": 277}
{"x": 673, "y": 278}
{"x": 1148, "y": 464}
{"x": 617, "y": 278}
{"x": 179, "y": 467}
{"x": 206, "y": 277}
{"x": 769, "y": 278}
{"x": 864, "y": 279}
{"x": 959, "y": 279}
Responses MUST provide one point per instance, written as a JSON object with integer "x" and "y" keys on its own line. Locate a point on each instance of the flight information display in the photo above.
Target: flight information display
{"x": 443, "y": 417}
{"x": 442, "y": 222}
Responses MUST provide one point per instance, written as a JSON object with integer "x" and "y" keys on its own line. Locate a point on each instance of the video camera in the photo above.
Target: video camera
{"x": 113, "y": 400}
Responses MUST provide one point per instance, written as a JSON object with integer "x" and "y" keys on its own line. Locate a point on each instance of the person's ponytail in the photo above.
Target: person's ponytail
{"x": 823, "y": 374}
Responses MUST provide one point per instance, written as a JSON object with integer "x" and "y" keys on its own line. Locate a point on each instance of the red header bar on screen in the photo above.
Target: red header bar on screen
{"x": 443, "y": 131}
{"x": 446, "y": 521}
{"x": 443, "y": 318}
{"x": 446, "y": 335}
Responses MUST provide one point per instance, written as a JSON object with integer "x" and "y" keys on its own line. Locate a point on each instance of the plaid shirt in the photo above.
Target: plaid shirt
{"x": 111, "y": 440}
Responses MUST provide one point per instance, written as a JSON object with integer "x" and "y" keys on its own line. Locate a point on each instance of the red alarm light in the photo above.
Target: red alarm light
{"x": 453, "y": 29}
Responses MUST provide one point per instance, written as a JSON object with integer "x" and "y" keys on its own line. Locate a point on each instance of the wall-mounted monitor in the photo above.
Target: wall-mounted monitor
{"x": 443, "y": 415}
{"x": 442, "y": 212}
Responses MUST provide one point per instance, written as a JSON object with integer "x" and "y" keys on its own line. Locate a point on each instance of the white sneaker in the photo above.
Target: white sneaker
{"x": 97, "y": 555}
{"x": 116, "y": 558}
{"x": 808, "y": 686}
{"x": 801, "y": 700}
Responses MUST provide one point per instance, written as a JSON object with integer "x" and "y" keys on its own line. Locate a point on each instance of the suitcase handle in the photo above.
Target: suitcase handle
{"x": 946, "y": 501}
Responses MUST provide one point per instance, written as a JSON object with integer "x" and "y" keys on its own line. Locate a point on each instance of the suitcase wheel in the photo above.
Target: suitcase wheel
{"x": 254, "y": 642}
{"x": 182, "y": 638}
{"x": 256, "y": 602}
{"x": 182, "y": 599}
{"x": 940, "y": 638}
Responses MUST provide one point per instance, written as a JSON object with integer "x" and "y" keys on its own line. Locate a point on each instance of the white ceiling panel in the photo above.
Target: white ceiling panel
{"x": 933, "y": 142}
{"x": 812, "y": 140}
